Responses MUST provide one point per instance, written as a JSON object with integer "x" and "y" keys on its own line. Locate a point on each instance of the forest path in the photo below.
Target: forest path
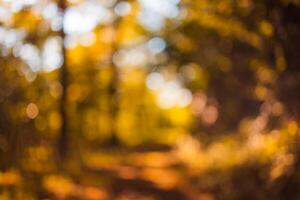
{"x": 134, "y": 175}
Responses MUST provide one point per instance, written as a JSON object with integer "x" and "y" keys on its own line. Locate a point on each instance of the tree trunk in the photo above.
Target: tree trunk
{"x": 114, "y": 105}
{"x": 63, "y": 141}
{"x": 113, "y": 89}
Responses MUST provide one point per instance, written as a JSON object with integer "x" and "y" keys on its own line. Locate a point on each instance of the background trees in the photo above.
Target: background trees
{"x": 149, "y": 92}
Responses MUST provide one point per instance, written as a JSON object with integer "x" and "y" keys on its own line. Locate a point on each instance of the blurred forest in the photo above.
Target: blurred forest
{"x": 149, "y": 99}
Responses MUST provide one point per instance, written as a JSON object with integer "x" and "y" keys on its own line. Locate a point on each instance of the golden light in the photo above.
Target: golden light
{"x": 32, "y": 111}
{"x": 210, "y": 115}
{"x": 198, "y": 103}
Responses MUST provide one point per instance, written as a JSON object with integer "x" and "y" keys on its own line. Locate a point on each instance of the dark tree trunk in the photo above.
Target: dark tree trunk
{"x": 114, "y": 89}
{"x": 63, "y": 141}
{"x": 114, "y": 106}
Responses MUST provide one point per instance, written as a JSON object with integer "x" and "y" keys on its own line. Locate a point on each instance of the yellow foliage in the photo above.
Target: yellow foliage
{"x": 292, "y": 128}
{"x": 226, "y": 27}
{"x": 180, "y": 116}
{"x": 25, "y": 20}
{"x": 54, "y": 120}
{"x": 11, "y": 177}
{"x": 59, "y": 185}
{"x": 266, "y": 28}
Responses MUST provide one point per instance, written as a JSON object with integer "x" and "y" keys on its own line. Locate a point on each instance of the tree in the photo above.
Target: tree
{"x": 63, "y": 143}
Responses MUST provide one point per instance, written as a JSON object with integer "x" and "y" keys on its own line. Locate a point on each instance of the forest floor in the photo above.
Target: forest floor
{"x": 122, "y": 174}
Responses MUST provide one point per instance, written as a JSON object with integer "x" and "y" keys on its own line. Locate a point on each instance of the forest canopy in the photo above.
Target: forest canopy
{"x": 149, "y": 99}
